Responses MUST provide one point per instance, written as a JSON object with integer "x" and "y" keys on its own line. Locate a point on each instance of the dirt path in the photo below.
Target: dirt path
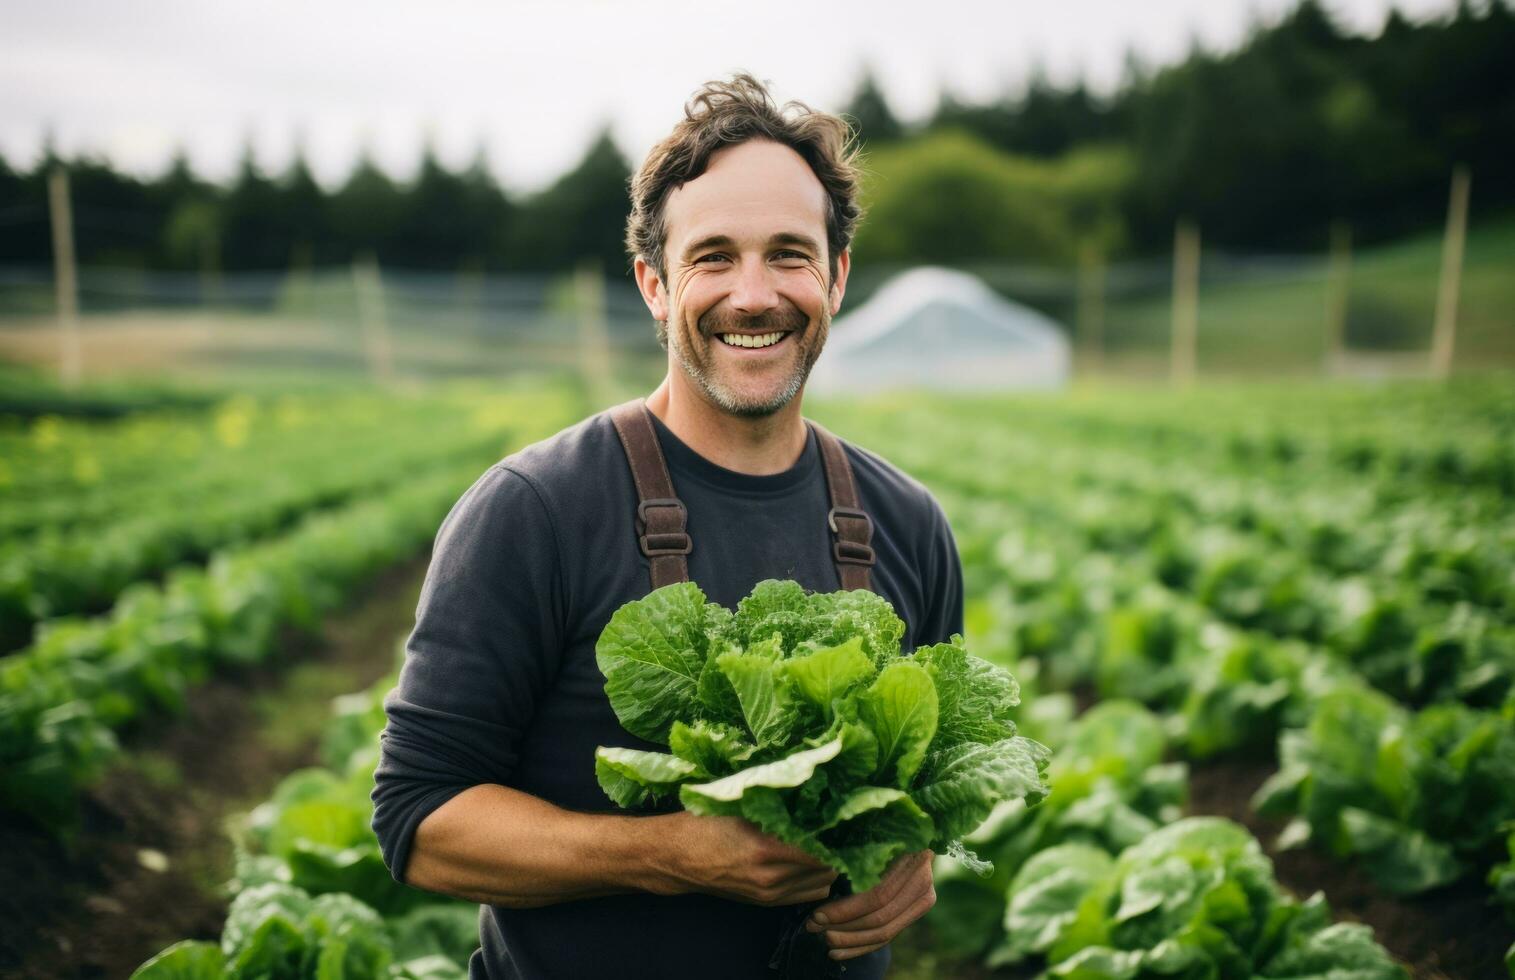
{"x": 146, "y": 869}
{"x": 1452, "y": 933}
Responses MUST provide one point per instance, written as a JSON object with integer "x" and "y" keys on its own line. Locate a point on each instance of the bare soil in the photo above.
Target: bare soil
{"x": 145, "y": 870}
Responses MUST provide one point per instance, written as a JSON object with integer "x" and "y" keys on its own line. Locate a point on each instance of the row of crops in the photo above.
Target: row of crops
{"x": 311, "y": 894}
{"x": 90, "y": 509}
{"x": 206, "y": 535}
{"x": 1229, "y": 583}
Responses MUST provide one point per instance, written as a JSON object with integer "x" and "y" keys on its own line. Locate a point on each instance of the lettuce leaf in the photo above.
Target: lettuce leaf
{"x": 1046, "y": 894}
{"x": 633, "y": 778}
{"x": 974, "y": 697}
{"x": 964, "y": 782}
{"x": 785, "y": 773}
{"x": 830, "y": 673}
{"x": 186, "y": 960}
{"x": 717, "y": 749}
{"x": 900, "y": 709}
{"x": 769, "y": 704}
{"x": 652, "y": 653}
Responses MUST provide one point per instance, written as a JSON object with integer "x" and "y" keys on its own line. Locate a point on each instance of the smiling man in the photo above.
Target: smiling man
{"x": 739, "y": 232}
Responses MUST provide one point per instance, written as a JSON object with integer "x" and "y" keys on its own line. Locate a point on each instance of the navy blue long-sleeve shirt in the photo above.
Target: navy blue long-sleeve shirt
{"x": 500, "y": 683}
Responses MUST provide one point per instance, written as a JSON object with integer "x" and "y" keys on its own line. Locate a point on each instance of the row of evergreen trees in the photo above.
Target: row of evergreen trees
{"x": 442, "y": 219}
{"x": 1304, "y": 124}
{"x": 1265, "y": 146}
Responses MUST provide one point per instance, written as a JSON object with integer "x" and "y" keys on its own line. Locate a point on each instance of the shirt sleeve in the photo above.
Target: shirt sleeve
{"x": 944, "y": 582}
{"x": 485, "y": 646}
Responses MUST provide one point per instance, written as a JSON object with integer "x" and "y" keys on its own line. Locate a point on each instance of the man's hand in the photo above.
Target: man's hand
{"x": 862, "y": 923}
{"x": 729, "y": 857}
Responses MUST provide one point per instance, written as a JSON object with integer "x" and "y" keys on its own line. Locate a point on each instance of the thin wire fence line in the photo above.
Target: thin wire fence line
{"x": 1263, "y": 311}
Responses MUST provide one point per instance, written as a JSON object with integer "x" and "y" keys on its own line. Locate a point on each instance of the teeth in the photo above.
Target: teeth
{"x": 747, "y": 340}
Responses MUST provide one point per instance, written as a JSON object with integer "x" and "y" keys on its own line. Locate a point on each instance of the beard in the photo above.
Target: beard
{"x": 728, "y": 396}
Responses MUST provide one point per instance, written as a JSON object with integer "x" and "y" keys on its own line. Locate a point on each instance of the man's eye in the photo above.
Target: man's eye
{"x": 788, "y": 254}
{"x": 712, "y": 255}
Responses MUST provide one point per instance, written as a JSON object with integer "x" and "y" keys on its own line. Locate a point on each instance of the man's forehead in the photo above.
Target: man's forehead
{"x": 752, "y": 190}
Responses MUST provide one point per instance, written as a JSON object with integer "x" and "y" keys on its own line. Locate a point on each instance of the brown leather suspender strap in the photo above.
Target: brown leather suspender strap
{"x": 660, "y": 515}
{"x": 851, "y": 528}
{"x": 662, "y": 519}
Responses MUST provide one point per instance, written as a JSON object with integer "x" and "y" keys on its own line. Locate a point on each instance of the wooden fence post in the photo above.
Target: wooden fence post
{"x": 65, "y": 279}
{"x": 369, "y": 287}
{"x": 1444, "y": 332}
{"x": 1183, "y": 365}
{"x": 1338, "y": 289}
{"x": 594, "y": 337}
{"x": 1090, "y": 315}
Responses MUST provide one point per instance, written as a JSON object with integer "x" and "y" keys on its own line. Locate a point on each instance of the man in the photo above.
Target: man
{"x": 486, "y": 790}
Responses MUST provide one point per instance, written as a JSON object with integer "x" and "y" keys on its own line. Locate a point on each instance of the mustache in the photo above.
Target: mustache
{"x": 724, "y": 321}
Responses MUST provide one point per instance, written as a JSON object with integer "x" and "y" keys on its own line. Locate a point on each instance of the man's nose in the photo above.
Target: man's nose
{"x": 754, "y": 290}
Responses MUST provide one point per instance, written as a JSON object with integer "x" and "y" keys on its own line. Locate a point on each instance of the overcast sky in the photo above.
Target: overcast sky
{"x": 532, "y": 81}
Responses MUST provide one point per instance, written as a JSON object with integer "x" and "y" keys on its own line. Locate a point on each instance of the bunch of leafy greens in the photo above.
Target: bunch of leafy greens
{"x": 799, "y": 713}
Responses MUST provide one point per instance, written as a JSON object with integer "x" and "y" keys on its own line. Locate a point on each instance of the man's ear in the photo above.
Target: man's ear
{"x": 651, "y": 286}
{"x": 839, "y": 284}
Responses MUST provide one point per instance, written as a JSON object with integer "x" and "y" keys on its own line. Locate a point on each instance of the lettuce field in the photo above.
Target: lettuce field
{"x": 1266, "y": 635}
{"x": 1293, "y": 609}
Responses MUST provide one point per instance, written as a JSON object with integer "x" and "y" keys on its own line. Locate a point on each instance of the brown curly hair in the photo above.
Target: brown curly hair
{"x": 723, "y": 114}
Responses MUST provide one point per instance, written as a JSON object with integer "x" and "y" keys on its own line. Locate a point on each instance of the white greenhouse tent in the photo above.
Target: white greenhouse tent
{"x": 943, "y": 329}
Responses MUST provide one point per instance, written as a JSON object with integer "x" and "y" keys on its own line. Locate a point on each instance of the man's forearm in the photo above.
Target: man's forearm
{"x": 499, "y": 846}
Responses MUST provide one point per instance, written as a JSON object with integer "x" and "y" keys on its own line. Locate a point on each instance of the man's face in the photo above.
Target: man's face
{"x": 750, "y": 301}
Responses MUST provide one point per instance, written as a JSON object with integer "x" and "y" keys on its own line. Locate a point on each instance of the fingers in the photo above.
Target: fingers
{"x": 891, "y": 910}
{"x": 816, "y": 886}
{"x": 854, "y": 951}
{"x": 876, "y": 916}
{"x": 795, "y": 887}
{"x": 909, "y": 910}
{"x": 902, "y": 871}
{"x": 816, "y": 894}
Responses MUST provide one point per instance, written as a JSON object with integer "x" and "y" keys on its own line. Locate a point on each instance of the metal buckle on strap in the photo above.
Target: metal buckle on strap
{"x": 670, "y": 502}
{"x": 659, "y": 543}
{"x": 852, "y": 512}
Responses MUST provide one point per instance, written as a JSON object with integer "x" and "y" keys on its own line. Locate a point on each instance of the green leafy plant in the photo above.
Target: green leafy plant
{"x": 799, "y": 713}
{"x": 1113, "y": 789}
{"x": 1418, "y": 797}
{"x": 277, "y": 931}
{"x": 1502, "y": 877}
{"x": 1195, "y": 898}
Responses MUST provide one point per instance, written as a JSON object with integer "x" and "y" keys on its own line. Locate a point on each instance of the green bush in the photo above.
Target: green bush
{"x": 950, "y": 198}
